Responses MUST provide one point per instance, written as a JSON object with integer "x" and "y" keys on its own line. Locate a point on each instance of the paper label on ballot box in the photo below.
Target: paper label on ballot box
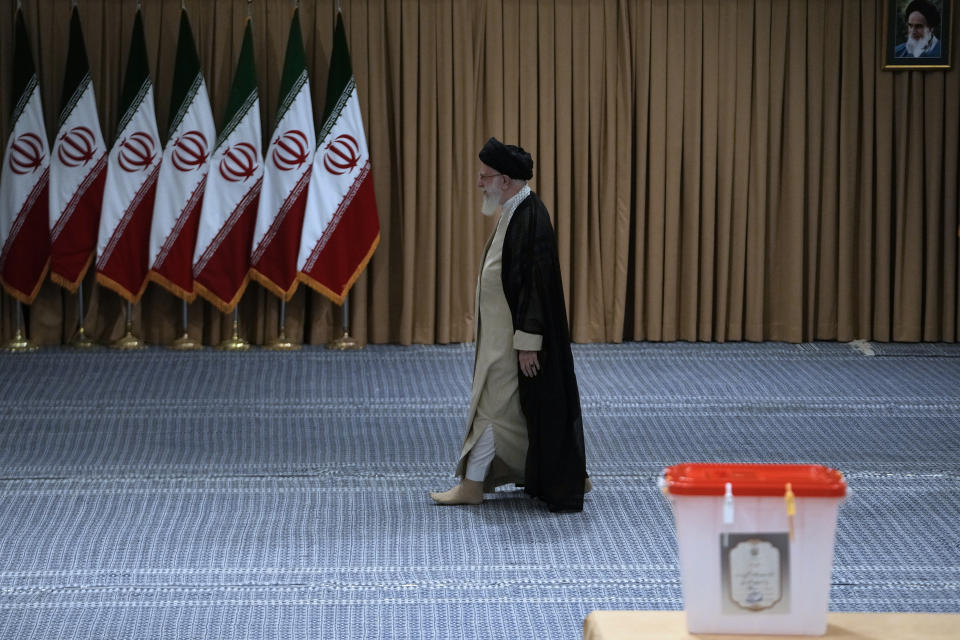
{"x": 755, "y": 572}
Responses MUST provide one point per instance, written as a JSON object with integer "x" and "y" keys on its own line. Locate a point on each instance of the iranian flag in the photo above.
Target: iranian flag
{"x": 24, "y": 182}
{"x": 132, "y": 170}
{"x": 183, "y": 172}
{"x": 221, "y": 258}
{"x": 289, "y": 159}
{"x": 78, "y": 170}
{"x": 340, "y": 226}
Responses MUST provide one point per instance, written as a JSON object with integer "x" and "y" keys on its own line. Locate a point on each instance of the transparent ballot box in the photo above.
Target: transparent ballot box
{"x": 755, "y": 544}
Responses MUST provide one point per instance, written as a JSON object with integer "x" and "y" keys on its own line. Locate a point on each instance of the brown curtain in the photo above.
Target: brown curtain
{"x": 717, "y": 169}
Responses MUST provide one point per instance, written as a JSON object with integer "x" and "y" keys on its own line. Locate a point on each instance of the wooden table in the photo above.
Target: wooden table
{"x": 672, "y": 625}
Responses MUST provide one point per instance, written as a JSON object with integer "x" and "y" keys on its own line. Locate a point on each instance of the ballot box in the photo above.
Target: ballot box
{"x": 755, "y": 544}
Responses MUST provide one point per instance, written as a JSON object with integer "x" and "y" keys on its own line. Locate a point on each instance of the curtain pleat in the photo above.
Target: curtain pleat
{"x": 715, "y": 169}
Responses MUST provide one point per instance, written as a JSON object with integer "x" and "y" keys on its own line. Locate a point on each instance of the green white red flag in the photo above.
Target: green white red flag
{"x": 221, "y": 257}
{"x": 183, "y": 172}
{"x": 287, "y": 167}
{"x": 24, "y": 181}
{"x": 78, "y": 169}
{"x": 132, "y": 169}
{"x": 340, "y": 226}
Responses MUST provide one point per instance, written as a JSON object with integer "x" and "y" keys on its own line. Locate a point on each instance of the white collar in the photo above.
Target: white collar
{"x": 511, "y": 205}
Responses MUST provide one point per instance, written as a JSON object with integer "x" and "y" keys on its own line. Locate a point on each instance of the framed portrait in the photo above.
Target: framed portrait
{"x": 918, "y": 34}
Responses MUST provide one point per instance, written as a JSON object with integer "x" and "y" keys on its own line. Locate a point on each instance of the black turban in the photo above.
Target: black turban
{"x": 508, "y": 159}
{"x": 927, "y": 9}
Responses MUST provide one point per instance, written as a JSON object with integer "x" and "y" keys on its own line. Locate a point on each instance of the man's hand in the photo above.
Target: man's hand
{"x": 529, "y": 365}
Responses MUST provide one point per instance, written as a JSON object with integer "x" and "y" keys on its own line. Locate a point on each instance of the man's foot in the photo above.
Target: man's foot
{"x": 587, "y": 486}
{"x": 467, "y": 492}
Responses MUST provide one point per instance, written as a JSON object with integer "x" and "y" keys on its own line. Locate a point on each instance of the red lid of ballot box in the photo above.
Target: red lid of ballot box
{"x": 707, "y": 479}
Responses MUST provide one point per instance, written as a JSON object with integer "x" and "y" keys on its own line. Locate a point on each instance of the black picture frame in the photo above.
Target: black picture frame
{"x": 934, "y": 18}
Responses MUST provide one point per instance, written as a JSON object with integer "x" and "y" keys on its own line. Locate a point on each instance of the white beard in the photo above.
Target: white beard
{"x": 916, "y": 47}
{"x": 491, "y": 202}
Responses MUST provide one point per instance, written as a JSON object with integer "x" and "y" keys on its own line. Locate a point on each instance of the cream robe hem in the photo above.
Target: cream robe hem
{"x": 495, "y": 358}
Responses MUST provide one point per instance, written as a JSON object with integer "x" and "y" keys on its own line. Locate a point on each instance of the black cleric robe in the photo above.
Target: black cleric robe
{"x": 550, "y": 400}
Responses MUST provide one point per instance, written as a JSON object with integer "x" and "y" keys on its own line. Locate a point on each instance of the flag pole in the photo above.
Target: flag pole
{"x": 80, "y": 339}
{"x": 346, "y": 342}
{"x": 185, "y": 342}
{"x": 19, "y": 343}
{"x": 281, "y": 342}
{"x": 235, "y": 342}
{"x": 129, "y": 341}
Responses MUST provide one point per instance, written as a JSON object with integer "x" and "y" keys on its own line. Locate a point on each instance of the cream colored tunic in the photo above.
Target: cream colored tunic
{"x": 495, "y": 398}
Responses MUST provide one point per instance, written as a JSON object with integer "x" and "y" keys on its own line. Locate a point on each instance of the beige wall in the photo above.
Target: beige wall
{"x": 717, "y": 169}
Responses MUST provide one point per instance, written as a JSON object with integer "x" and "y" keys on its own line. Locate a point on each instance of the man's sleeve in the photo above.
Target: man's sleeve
{"x": 523, "y": 341}
{"x": 529, "y": 248}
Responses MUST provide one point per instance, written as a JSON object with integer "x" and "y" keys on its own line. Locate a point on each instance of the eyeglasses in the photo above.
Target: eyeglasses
{"x": 482, "y": 176}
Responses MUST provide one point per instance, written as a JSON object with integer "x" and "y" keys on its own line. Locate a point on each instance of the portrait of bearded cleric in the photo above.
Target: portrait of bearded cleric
{"x": 916, "y": 34}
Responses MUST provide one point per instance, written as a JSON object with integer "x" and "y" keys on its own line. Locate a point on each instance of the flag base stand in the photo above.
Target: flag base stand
{"x": 19, "y": 344}
{"x": 81, "y": 340}
{"x": 346, "y": 342}
{"x": 234, "y": 342}
{"x": 281, "y": 343}
{"x": 185, "y": 343}
{"x": 128, "y": 342}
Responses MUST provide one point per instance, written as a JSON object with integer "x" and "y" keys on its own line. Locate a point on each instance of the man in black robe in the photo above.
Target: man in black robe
{"x": 531, "y": 366}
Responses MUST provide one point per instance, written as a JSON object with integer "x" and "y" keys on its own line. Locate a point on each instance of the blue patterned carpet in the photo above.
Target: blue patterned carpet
{"x": 162, "y": 495}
